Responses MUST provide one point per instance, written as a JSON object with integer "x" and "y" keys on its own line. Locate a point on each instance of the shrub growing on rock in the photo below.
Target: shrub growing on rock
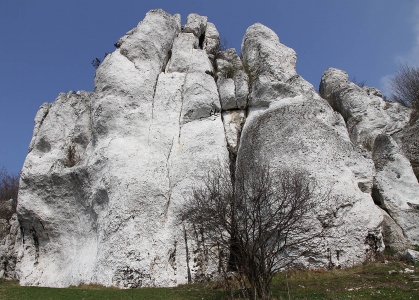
{"x": 404, "y": 88}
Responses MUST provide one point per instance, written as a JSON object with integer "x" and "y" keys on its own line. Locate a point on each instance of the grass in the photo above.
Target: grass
{"x": 369, "y": 281}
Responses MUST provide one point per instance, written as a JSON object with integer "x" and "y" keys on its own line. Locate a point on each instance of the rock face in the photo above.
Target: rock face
{"x": 107, "y": 171}
{"x": 9, "y": 239}
{"x": 291, "y": 127}
{"x": 372, "y": 123}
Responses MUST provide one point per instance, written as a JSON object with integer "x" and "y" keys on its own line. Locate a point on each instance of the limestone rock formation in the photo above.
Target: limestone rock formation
{"x": 292, "y": 127}
{"x": 108, "y": 171}
{"x": 372, "y": 123}
{"x": 408, "y": 139}
{"x": 9, "y": 239}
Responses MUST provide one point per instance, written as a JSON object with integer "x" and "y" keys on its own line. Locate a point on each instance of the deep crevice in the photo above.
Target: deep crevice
{"x": 201, "y": 41}
{"x": 166, "y": 61}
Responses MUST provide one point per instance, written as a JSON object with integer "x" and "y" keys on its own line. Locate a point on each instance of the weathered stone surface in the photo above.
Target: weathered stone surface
{"x": 393, "y": 234}
{"x": 291, "y": 127}
{"x": 301, "y": 134}
{"x": 241, "y": 82}
{"x": 232, "y": 81}
{"x": 186, "y": 57}
{"x": 200, "y": 97}
{"x": 371, "y": 122}
{"x": 408, "y": 139}
{"x": 10, "y": 242}
{"x": 233, "y": 121}
{"x": 270, "y": 67}
{"x": 212, "y": 39}
{"x": 227, "y": 90}
{"x": 39, "y": 118}
{"x": 410, "y": 255}
{"x": 118, "y": 73}
{"x": 364, "y": 111}
{"x": 211, "y": 31}
{"x": 108, "y": 215}
{"x": 396, "y": 188}
{"x": 265, "y": 56}
{"x": 195, "y": 24}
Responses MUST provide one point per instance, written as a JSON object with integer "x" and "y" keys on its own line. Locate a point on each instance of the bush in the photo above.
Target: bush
{"x": 258, "y": 224}
{"x": 404, "y": 86}
{"x": 9, "y": 187}
{"x": 229, "y": 71}
{"x": 96, "y": 63}
{"x": 361, "y": 83}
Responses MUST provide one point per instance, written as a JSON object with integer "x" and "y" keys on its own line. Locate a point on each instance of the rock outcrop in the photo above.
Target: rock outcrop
{"x": 9, "y": 239}
{"x": 291, "y": 127}
{"x": 372, "y": 123}
{"x": 107, "y": 171}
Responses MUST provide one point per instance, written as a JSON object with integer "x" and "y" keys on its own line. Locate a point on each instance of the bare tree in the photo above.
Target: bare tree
{"x": 404, "y": 86}
{"x": 9, "y": 186}
{"x": 260, "y": 224}
{"x": 361, "y": 83}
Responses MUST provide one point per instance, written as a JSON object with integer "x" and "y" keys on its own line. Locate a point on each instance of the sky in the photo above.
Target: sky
{"x": 47, "y": 45}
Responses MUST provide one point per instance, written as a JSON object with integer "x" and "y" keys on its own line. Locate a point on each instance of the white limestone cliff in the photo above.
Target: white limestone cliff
{"x": 107, "y": 171}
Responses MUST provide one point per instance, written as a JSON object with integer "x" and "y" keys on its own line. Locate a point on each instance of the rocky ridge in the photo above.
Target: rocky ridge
{"x": 107, "y": 171}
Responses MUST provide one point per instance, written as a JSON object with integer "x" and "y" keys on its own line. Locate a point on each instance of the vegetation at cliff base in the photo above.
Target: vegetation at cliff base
{"x": 378, "y": 280}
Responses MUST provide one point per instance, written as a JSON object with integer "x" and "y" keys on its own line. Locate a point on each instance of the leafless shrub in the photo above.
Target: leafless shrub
{"x": 218, "y": 50}
{"x": 9, "y": 187}
{"x": 361, "y": 83}
{"x": 260, "y": 224}
{"x": 404, "y": 86}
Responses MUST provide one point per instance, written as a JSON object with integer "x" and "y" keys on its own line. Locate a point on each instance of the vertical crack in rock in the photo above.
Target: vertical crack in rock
{"x": 166, "y": 209}
{"x": 166, "y": 60}
{"x": 187, "y": 254}
{"x": 181, "y": 106}
{"x": 152, "y": 110}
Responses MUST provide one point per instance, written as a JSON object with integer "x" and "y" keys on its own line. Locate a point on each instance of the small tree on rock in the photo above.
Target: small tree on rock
{"x": 404, "y": 88}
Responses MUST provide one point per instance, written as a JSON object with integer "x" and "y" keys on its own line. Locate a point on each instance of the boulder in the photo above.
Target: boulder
{"x": 393, "y": 234}
{"x": 410, "y": 255}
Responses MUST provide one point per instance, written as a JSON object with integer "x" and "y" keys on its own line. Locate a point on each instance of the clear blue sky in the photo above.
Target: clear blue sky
{"x": 47, "y": 45}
